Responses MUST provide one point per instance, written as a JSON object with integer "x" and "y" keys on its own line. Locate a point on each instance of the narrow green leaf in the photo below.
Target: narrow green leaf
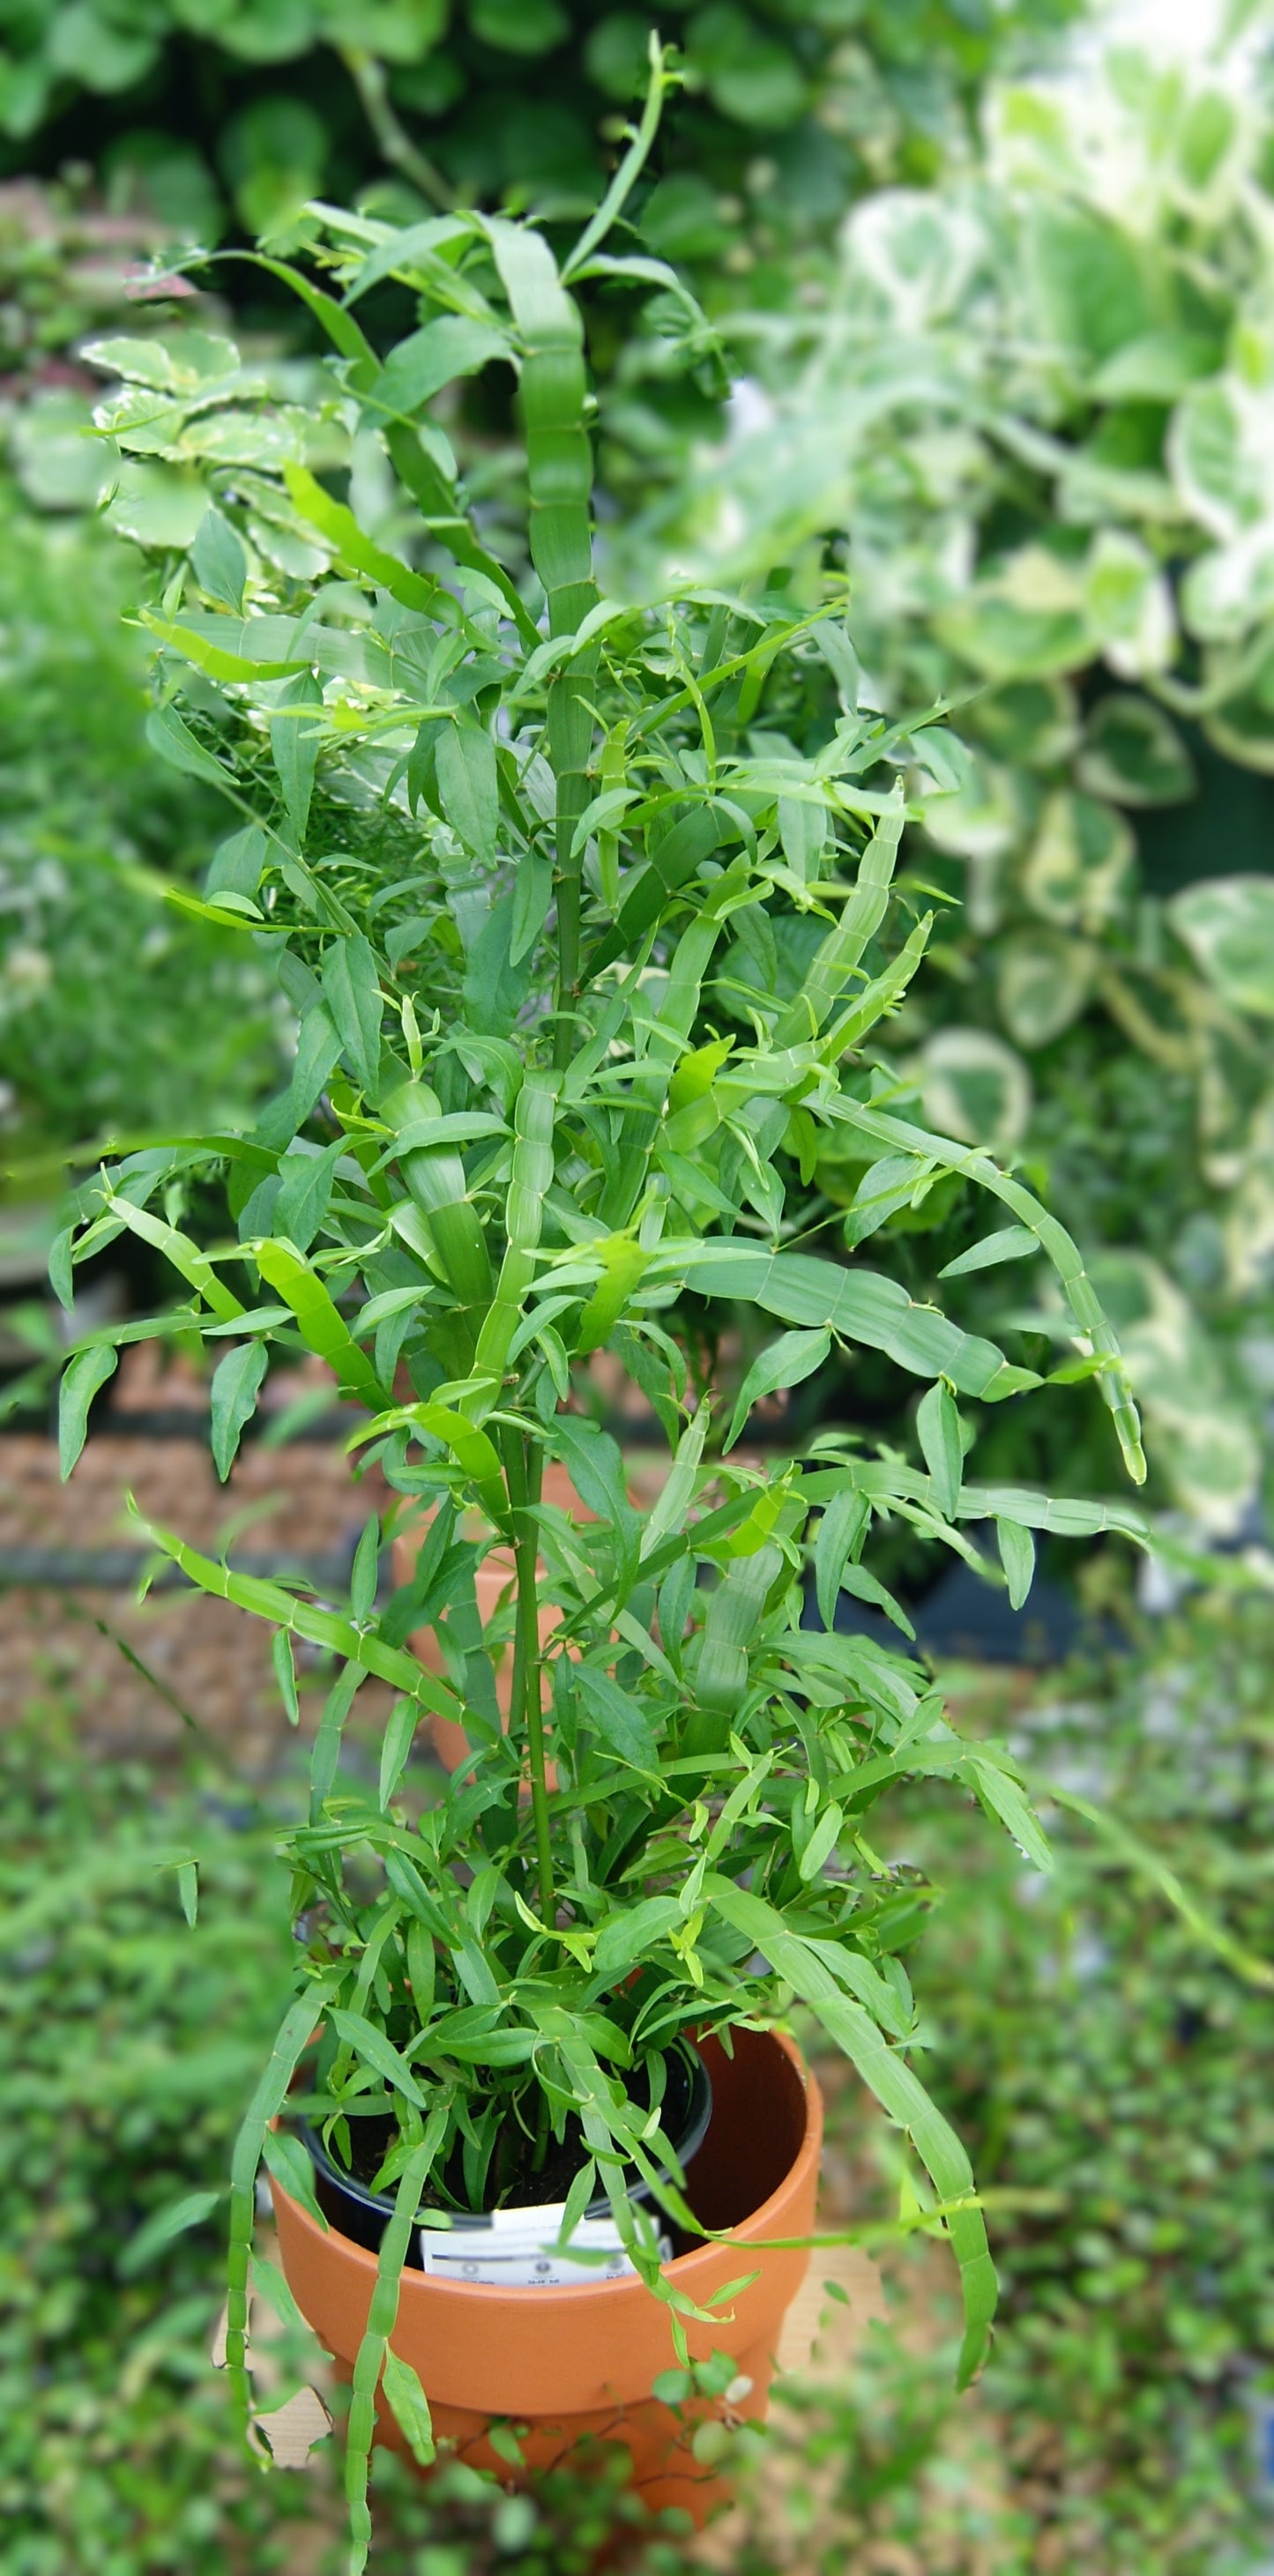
{"x": 351, "y": 990}
{"x": 938, "y": 1426}
{"x": 326, "y": 1754}
{"x": 400, "y": 1729}
{"x": 839, "y": 1531}
{"x": 619, "y": 1719}
{"x": 729, "y": 1629}
{"x": 81, "y": 1380}
{"x": 238, "y": 863}
{"x": 469, "y": 788}
{"x": 341, "y": 529}
{"x": 624, "y": 1938}
{"x": 317, "y": 1050}
{"x": 287, "y": 2163}
{"x": 787, "y": 1361}
{"x": 365, "y": 1572}
{"x": 418, "y": 368}
{"x": 220, "y": 560}
{"x": 61, "y": 1270}
{"x": 371, "y": 2048}
{"x": 409, "y": 2407}
{"x": 173, "y": 740}
{"x": 294, "y": 744}
{"x": 1012, "y": 1243}
{"x": 532, "y": 895}
{"x": 305, "y": 1191}
{"x": 285, "y": 1674}
{"x": 822, "y": 1843}
{"x": 840, "y": 952}
{"x": 269, "y": 2284}
{"x": 159, "y": 2230}
{"x": 669, "y": 1509}
{"x": 235, "y": 1388}
{"x": 188, "y": 1889}
{"x": 1017, "y": 1556}
{"x": 1002, "y": 1794}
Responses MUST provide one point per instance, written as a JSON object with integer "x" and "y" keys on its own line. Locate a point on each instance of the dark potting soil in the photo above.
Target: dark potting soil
{"x": 514, "y": 2181}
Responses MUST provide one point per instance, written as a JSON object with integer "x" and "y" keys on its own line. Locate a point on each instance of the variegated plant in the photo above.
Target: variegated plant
{"x": 1036, "y": 408}
{"x": 495, "y": 845}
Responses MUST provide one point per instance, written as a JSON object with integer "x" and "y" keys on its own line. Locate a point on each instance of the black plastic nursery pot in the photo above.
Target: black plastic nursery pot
{"x": 363, "y": 2214}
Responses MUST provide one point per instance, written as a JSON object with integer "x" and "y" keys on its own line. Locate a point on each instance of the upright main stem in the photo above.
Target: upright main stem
{"x": 570, "y": 740}
{"x": 522, "y": 1476}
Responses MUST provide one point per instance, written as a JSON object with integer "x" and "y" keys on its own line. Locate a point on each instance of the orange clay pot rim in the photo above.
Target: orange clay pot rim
{"x": 733, "y": 2240}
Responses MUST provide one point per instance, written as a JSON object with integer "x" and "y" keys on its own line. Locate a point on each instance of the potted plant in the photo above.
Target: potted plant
{"x": 496, "y": 843}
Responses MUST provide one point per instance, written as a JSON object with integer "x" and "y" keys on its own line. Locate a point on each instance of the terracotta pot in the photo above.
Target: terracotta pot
{"x": 572, "y": 2365}
{"x": 493, "y": 1577}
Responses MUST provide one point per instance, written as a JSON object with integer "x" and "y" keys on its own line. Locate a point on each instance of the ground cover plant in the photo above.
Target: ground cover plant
{"x": 1028, "y": 419}
{"x": 130, "y": 2045}
{"x": 493, "y": 843}
{"x": 1137, "y": 2344}
{"x": 1110, "y": 2073}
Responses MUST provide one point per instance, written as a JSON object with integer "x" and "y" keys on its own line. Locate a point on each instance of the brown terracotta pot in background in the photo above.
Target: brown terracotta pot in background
{"x": 570, "y": 2364}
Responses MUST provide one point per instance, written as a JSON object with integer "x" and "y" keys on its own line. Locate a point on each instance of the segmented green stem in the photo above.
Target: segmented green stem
{"x": 531, "y": 1178}
{"x": 522, "y": 1472}
{"x": 266, "y": 2103}
{"x": 382, "y": 2316}
{"x": 560, "y": 475}
{"x": 371, "y": 81}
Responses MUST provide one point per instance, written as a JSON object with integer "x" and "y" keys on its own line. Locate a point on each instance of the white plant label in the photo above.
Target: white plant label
{"x": 517, "y": 2249}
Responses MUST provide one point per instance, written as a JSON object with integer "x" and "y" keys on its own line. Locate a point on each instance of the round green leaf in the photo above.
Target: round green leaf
{"x": 1227, "y": 924}
{"x": 1132, "y": 753}
{"x": 975, "y": 1087}
{"x": 1042, "y": 983}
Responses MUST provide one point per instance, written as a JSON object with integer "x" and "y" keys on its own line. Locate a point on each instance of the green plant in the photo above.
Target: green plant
{"x": 1029, "y": 420}
{"x": 495, "y": 843}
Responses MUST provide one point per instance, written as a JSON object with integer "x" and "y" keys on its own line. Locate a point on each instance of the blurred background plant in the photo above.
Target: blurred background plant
{"x": 117, "y": 1015}
{"x": 212, "y": 115}
{"x": 1031, "y": 416}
